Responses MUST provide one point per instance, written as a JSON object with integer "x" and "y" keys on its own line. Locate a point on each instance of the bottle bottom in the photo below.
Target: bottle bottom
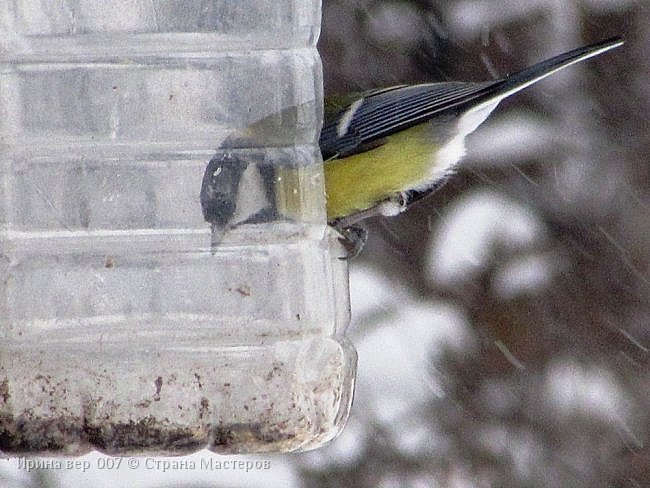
{"x": 285, "y": 396}
{"x": 168, "y": 352}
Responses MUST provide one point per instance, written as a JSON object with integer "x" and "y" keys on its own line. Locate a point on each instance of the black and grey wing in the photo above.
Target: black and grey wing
{"x": 379, "y": 114}
{"x": 369, "y": 119}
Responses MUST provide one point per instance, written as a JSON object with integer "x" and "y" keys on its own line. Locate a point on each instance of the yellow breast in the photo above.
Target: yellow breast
{"x": 360, "y": 181}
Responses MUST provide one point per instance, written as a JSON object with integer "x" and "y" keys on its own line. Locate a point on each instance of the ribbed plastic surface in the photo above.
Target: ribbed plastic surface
{"x": 122, "y": 328}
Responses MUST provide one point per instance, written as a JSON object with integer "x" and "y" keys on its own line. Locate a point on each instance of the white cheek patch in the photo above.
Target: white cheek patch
{"x": 251, "y": 195}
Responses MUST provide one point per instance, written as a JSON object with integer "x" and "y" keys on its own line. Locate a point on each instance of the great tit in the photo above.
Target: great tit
{"x": 387, "y": 148}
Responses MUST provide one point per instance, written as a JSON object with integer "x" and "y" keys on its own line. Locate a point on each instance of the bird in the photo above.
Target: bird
{"x": 385, "y": 149}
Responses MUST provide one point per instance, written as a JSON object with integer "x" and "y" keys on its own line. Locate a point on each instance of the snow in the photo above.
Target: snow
{"x": 466, "y": 19}
{"x": 516, "y": 136}
{"x": 347, "y": 450}
{"x": 474, "y": 228}
{"x": 574, "y": 388}
{"x": 396, "y": 24}
{"x": 395, "y": 380}
{"x": 371, "y": 290}
{"x": 524, "y": 275}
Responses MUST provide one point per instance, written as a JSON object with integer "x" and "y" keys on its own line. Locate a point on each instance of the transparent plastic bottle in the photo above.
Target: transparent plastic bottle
{"x": 124, "y": 326}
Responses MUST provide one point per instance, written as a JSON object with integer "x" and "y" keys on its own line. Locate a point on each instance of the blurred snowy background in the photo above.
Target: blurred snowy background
{"x": 503, "y": 325}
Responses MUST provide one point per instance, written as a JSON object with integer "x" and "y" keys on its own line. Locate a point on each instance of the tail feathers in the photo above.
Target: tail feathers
{"x": 526, "y": 77}
{"x": 385, "y": 112}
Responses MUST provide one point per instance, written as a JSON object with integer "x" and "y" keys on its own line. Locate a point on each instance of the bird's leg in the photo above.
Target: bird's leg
{"x": 353, "y": 238}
